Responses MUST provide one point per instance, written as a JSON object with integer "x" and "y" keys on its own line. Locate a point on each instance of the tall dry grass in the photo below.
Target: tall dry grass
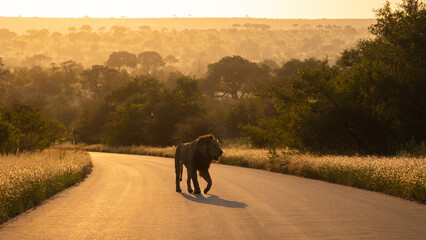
{"x": 29, "y": 178}
{"x": 398, "y": 176}
{"x": 139, "y": 150}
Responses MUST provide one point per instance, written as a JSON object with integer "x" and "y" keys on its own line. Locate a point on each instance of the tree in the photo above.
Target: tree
{"x": 189, "y": 96}
{"x": 4, "y": 72}
{"x": 36, "y": 60}
{"x": 91, "y": 123}
{"x": 145, "y": 113}
{"x": 70, "y": 72}
{"x": 233, "y": 76}
{"x": 9, "y": 142}
{"x": 119, "y": 31}
{"x": 291, "y": 68}
{"x": 149, "y": 61}
{"x": 24, "y": 128}
{"x": 270, "y": 63}
{"x": 170, "y": 59}
{"x": 100, "y": 79}
{"x": 5, "y": 34}
{"x": 86, "y": 28}
{"x": 123, "y": 58}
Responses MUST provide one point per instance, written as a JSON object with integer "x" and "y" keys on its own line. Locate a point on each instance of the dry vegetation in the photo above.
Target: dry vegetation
{"x": 27, "y": 179}
{"x": 398, "y": 176}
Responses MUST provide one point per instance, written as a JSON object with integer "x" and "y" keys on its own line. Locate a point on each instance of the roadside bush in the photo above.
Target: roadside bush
{"x": 24, "y": 128}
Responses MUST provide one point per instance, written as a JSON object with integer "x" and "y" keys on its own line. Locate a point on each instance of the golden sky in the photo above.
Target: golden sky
{"x": 192, "y": 8}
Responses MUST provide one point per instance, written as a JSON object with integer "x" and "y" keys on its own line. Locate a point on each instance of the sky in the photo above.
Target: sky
{"x": 192, "y": 8}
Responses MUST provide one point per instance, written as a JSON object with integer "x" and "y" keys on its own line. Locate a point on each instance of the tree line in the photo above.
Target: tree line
{"x": 194, "y": 48}
{"x": 371, "y": 100}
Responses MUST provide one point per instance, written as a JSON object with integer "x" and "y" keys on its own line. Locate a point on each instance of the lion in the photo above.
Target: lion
{"x": 196, "y": 156}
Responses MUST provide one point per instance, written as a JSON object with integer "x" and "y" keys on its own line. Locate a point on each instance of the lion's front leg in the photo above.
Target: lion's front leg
{"x": 205, "y": 174}
{"x": 178, "y": 168}
{"x": 178, "y": 183}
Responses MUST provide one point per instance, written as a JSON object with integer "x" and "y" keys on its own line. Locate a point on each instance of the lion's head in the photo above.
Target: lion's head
{"x": 212, "y": 148}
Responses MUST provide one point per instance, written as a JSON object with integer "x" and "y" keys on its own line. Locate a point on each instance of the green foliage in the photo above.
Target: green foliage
{"x": 372, "y": 101}
{"x": 266, "y": 134}
{"x": 100, "y": 80}
{"x": 23, "y": 128}
{"x": 144, "y": 111}
{"x": 92, "y": 118}
{"x": 191, "y": 128}
{"x": 246, "y": 110}
{"x": 9, "y": 142}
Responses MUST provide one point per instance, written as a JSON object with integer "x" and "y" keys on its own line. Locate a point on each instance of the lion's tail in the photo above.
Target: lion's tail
{"x": 178, "y": 164}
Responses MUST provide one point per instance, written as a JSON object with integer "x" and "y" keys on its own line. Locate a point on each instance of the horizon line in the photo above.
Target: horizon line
{"x": 190, "y": 17}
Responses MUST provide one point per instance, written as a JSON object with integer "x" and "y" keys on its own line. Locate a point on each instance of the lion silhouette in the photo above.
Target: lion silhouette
{"x": 196, "y": 156}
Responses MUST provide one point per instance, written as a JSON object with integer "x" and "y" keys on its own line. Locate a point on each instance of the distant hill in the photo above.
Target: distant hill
{"x": 21, "y": 24}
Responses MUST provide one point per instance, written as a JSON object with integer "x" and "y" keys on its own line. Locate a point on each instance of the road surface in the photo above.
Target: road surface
{"x": 133, "y": 197}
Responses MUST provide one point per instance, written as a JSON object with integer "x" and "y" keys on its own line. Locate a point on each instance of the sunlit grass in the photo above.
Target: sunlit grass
{"x": 140, "y": 150}
{"x": 399, "y": 176}
{"x": 28, "y": 179}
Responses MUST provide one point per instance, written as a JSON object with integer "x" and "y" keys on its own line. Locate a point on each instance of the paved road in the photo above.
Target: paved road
{"x": 133, "y": 197}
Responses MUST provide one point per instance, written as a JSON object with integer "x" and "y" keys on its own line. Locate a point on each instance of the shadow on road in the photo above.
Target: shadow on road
{"x": 213, "y": 200}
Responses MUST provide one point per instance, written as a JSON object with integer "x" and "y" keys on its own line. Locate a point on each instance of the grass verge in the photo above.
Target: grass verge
{"x": 403, "y": 177}
{"x": 27, "y": 179}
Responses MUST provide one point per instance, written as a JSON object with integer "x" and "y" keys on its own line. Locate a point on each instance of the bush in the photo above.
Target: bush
{"x": 23, "y": 128}
{"x": 8, "y": 138}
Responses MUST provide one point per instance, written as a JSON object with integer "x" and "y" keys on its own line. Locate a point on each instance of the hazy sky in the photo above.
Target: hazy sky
{"x": 194, "y": 8}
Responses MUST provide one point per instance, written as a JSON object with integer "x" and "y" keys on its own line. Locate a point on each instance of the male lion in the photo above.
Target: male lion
{"x": 196, "y": 155}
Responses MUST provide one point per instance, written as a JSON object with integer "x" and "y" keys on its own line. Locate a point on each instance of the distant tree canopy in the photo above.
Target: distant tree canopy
{"x": 3, "y": 73}
{"x": 123, "y": 58}
{"x": 195, "y": 48}
{"x": 5, "y": 34}
{"x": 86, "y": 28}
{"x": 170, "y": 59}
{"x": 37, "y": 60}
{"x": 233, "y": 76}
{"x": 100, "y": 79}
{"x": 149, "y": 61}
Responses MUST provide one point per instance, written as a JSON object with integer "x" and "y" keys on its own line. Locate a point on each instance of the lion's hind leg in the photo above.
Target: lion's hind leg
{"x": 188, "y": 181}
{"x": 195, "y": 181}
{"x": 178, "y": 169}
{"x": 181, "y": 171}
